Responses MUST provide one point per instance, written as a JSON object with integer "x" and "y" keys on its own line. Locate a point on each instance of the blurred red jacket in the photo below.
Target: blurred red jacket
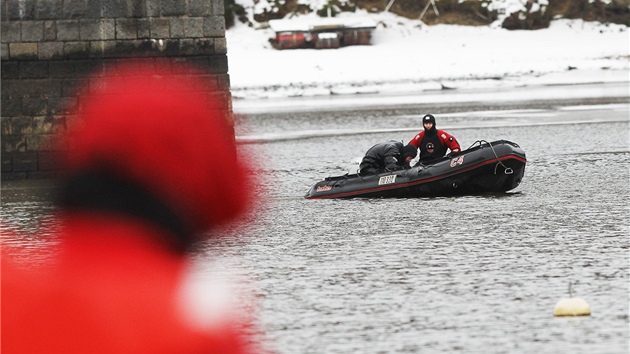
{"x": 112, "y": 289}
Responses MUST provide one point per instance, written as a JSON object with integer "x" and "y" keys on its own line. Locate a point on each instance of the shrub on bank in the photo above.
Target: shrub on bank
{"x": 509, "y": 14}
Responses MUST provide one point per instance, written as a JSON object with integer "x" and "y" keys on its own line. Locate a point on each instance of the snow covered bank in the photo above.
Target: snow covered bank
{"x": 406, "y": 56}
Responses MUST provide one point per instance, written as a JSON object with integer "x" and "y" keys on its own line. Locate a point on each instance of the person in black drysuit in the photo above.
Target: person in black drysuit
{"x": 388, "y": 156}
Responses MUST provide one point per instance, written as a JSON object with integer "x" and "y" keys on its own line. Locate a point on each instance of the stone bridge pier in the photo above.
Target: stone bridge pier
{"x": 50, "y": 48}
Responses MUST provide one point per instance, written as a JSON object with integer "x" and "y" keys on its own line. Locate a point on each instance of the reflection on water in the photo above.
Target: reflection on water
{"x": 27, "y": 219}
{"x": 468, "y": 274}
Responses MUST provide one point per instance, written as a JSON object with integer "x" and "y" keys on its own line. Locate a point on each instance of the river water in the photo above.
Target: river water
{"x": 476, "y": 274}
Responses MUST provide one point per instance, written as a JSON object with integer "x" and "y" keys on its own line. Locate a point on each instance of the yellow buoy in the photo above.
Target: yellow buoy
{"x": 571, "y": 306}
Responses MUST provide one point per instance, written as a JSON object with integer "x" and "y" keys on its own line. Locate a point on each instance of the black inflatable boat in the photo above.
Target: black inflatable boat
{"x": 485, "y": 167}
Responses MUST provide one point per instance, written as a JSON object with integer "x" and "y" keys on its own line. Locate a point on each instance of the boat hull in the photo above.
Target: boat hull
{"x": 486, "y": 168}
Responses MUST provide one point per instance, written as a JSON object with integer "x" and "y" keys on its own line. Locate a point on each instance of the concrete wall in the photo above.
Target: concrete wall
{"x": 49, "y": 48}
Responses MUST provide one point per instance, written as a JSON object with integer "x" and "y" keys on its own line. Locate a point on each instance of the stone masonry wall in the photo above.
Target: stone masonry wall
{"x": 50, "y": 48}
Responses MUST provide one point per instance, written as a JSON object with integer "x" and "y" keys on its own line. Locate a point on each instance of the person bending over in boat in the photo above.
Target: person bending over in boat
{"x": 433, "y": 143}
{"x": 388, "y": 156}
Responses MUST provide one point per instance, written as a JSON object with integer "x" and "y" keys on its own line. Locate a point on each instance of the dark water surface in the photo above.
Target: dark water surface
{"x": 469, "y": 274}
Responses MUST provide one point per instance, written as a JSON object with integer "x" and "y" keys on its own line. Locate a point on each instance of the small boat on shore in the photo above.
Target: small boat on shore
{"x": 485, "y": 167}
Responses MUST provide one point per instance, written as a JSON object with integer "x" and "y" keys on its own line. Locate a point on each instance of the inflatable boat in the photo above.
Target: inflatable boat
{"x": 485, "y": 167}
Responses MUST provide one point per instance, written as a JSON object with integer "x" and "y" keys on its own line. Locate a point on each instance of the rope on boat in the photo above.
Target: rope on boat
{"x": 507, "y": 170}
